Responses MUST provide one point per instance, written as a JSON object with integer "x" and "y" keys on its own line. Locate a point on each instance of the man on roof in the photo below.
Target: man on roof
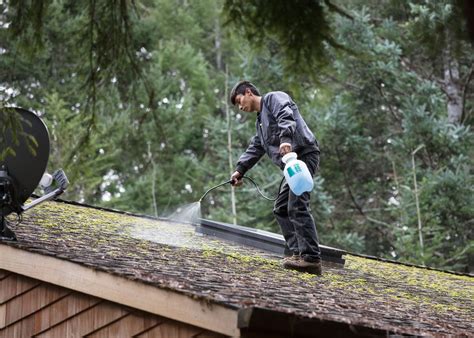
{"x": 281, "y": 129}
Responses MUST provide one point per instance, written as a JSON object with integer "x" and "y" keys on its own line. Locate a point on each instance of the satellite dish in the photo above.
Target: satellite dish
{"x": 26, "y": 147}
{"x": 28, "y": 163}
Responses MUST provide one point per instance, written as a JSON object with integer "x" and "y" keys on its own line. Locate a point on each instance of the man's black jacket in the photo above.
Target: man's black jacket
{"x": 279, "y": 121}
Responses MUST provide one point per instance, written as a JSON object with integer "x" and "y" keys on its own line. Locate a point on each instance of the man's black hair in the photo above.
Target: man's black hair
{"x": 240, "y": 88}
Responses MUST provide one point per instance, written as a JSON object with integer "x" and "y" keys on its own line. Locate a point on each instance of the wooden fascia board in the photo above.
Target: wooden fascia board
{"x": 166, "y": 303}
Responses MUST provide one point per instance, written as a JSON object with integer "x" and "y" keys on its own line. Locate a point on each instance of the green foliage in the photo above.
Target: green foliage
{"x": 446, "y": 207}
{"x": 133, "y": 94}
{"x": 87, "y": 166}
{"x": 368, "y": 131}
{"x": 11, "y": 127}
{"x": 296, "y": 31}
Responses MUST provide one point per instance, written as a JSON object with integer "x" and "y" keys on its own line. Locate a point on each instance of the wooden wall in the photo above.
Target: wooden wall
{"x": 31, "y": 308}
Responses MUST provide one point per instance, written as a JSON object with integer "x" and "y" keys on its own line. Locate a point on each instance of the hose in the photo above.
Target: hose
{"x": 214, "y": 187}
{"x": 251, "y": 180}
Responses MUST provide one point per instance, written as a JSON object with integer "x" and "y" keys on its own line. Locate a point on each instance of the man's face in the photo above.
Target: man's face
{"x": 245, "y": 101}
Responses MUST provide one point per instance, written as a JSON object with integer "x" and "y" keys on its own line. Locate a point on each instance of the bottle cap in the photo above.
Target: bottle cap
{"x": 288, "y": 156}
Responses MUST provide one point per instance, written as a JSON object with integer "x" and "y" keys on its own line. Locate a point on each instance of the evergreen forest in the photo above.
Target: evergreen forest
{"x": 135, "y": 97}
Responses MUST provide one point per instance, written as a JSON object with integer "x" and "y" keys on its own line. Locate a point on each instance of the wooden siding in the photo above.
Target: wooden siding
{"x": 31, "y": 308}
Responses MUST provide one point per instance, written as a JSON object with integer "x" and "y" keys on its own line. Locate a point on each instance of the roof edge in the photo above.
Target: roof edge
{"x": 163, "y": 302}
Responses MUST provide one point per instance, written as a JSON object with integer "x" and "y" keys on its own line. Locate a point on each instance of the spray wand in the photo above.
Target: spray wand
{"x": 251, "y": 180}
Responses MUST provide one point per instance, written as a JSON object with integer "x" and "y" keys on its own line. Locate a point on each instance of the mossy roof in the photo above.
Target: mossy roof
{"x": 367, "y": 292}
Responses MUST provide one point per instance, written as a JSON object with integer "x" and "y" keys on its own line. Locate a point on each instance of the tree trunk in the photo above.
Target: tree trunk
{"x": 217, "y": 43}
{"x": 229, "y": 147}
{"x": 452, "y": 86}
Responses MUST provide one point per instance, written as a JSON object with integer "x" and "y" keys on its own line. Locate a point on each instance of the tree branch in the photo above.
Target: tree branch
{"x": 348, "y": 85}
{"x": 373, "y": 220}
{"x": 395, "y": 116}
{"x": 338, "y": 9}
{"x": 406, "y": 63}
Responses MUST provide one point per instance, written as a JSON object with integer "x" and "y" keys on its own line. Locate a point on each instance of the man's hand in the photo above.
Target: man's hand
{"x": 236, "y": 179}
{"x": 285, "y": 148}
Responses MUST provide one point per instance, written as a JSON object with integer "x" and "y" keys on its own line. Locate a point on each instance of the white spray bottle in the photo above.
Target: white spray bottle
{"x": 297, "y": 174}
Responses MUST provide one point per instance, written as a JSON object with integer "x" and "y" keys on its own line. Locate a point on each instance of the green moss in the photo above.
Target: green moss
{"x": 306, "y": 276}
{"x": 434, "y": 281}
{"x": 237, "y": 258}
{"x": 442, "y": 291}
{"x": 208, "y": 251}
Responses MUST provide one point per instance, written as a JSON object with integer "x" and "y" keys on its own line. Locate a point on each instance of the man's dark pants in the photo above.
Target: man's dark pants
{"x": 293, "y": 214}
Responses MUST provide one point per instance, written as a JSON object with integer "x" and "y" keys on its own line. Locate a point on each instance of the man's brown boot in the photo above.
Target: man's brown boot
{"x": 288, "y": 259}
{"x": 304, "y": 266}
